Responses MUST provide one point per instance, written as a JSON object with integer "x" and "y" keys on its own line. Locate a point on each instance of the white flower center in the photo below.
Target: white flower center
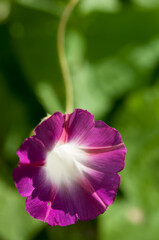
{"x": 64, "y": 163}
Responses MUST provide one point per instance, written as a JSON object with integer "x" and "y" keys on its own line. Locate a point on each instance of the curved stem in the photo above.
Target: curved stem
{"x": 62, "y": 56}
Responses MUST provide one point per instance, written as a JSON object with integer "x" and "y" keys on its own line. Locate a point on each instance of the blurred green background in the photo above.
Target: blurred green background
{"x": 113, "y": 53}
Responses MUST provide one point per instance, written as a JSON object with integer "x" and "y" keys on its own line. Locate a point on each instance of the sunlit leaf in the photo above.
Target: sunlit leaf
{"x": 87, "y": 6}
{"x": 48, "y": 98}
{"x": 147, "y": 4}
{"x": 5, "y": 8}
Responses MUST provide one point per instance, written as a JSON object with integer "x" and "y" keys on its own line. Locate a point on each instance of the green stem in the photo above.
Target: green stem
{"x": 62, "y": 56}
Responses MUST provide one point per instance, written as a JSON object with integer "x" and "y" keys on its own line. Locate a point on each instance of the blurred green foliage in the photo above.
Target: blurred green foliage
{"x": 113, "y": 53}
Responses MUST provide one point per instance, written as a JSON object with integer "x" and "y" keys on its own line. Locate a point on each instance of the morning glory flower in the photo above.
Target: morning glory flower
{"x": 69, "y": 169}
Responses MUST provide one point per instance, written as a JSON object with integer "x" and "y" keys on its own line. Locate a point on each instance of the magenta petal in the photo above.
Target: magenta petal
{"x": 50, "y": 130}
{"x": 36, "y": 208}
{"x": 79, "y": 122}
{"x": 73, "y": 203}
{"x": 52, "y": 207}
{"x": 101, "y": 135}
{"x": 38, "y": 204}
{"x": 32, "y": 151}
{"x": 86, "y": 202}
{"x": 25, "y": 178}
{"x": 62, "y": 212}
{"x": 105, "y": 185}
{"x": 109, "y": 161}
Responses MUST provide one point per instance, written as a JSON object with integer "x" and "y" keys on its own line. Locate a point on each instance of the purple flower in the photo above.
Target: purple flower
{"x": 69, "y": 169}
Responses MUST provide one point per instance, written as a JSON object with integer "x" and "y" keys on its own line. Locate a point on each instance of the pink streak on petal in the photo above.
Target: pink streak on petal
{"x": 94, "y": 150}
{"x": 105, "y": 185}
{"x": 106, "y": 160}
{"x": 86, "y": 185}
{"x": 49, "y": 204}
{"x": 64, "y": 136}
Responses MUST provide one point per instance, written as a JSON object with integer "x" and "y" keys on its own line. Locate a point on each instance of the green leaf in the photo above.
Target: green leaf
{"x": 38, "y": 55}
{"x": 147, "y": 4}
{"x": 128, "y": 221}
{"x": 15, "y": 222}
{"x": 48, "y": 98}
{"x": 54, "y": 7}
{"x": 135, "y": 214}
{"x": 5, "y": 9}
{"x": 87, "y": 6}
